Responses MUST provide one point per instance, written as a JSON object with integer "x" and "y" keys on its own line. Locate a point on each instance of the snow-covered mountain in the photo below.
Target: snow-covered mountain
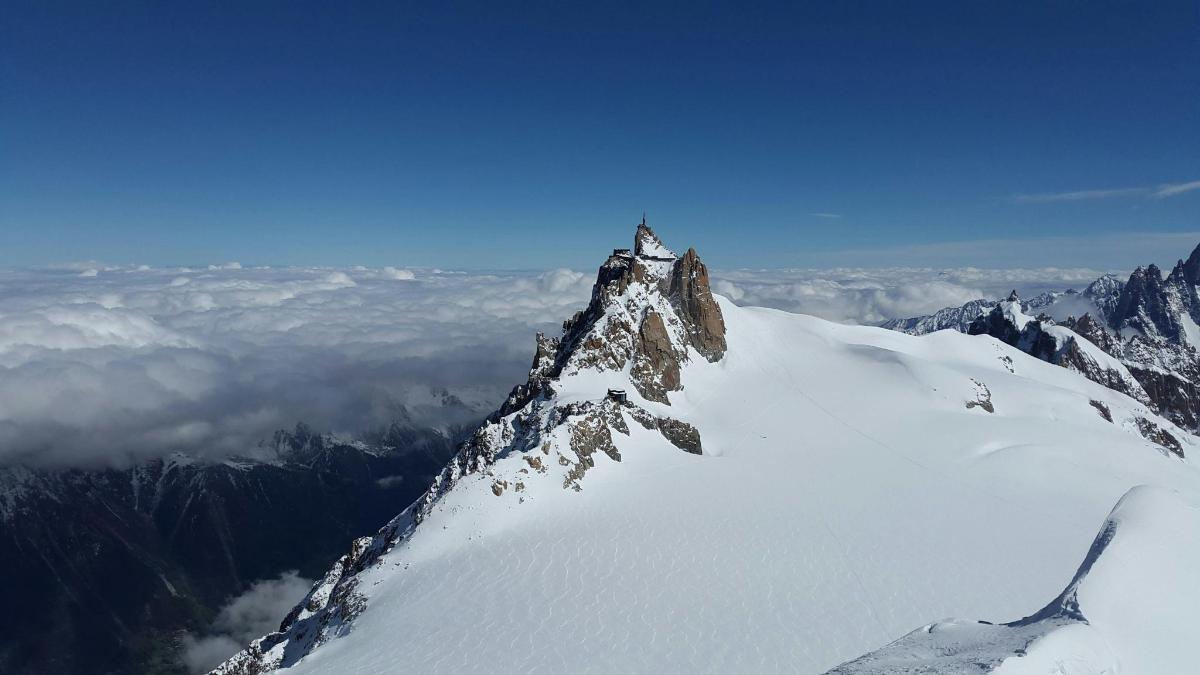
{"x": 1148, "y": 324}
{"x": 684, "y": 485}
{"x": 953, "y": 318}
{"x": 1098, "y": 298}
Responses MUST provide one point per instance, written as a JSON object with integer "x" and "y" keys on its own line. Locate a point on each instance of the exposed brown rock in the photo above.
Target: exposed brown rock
{"x": 1102, "y": 409}
{"x": 1156, "y": 434}
{"x": 655, "y": 368}
{"x": 983, "y": 398}
{"x": 681, "y": 434}
{"x": 690, "y": 294}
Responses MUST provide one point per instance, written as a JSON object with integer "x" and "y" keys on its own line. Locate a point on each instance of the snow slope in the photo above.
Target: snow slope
{"x": 1130, "y": 609}
{"x": 854, "y": 482}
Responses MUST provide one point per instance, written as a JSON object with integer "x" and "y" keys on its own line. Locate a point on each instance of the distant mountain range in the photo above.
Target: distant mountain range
{"x": 103, "y": 569}
{"x": 1146, "y": 327}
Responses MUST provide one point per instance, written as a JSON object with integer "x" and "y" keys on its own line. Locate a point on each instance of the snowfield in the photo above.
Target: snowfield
{"x": 855, "y": 483}
{"x": 1129, "y": 609}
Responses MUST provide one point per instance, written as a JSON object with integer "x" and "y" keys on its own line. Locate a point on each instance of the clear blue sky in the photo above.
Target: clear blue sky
{"x": 474, "y": 135}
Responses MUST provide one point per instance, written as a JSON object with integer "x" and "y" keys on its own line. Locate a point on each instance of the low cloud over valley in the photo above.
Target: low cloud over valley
{"x": 110, "y": 365}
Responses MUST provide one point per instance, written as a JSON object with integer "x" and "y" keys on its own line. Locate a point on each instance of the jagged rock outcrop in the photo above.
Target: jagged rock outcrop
{"x": 690, "y": 293}
{"x": 1149, "y": 305}
{"x": 650, "y": 312}
{"x": 647, "y": 307}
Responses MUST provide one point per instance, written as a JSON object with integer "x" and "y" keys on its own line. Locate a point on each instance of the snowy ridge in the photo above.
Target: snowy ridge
{"x": 952, "y": 318}
{"x": 649, "y": 315}
{"x": 1044, "y": 339}
{"x": 1129, "y": 609}
{"x": 851, "y": 482}
{"x": 1149, "y": 324}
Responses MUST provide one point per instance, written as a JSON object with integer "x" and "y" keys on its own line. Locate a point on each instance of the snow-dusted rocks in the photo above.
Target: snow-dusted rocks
{"x": 1129, "y": 609}
{"x": 1043, "y": 339}
{"x": 1149, "y": 324}
{"x": 844, "y": 492}
{"x": 948, "y": 318}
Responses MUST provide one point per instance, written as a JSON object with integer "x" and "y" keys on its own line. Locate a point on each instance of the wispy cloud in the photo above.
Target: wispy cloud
{"x": 1172, "y": 189}
{"x": 826, "y": 215}
{"x": 1078, "y": 196}
{"x": 1160, "y": 192}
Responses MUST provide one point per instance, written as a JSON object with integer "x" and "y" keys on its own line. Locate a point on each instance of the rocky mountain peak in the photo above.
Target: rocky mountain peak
{"x": 691, "y": 294}
{"x": 647, "y": 309}
{"x": 1150, "y": 305}
{"x": 647, "y": 244}
{"x": 1013, "y": 297}
{"x": 1191, "y": 267}
{"x": 650, "y": 312}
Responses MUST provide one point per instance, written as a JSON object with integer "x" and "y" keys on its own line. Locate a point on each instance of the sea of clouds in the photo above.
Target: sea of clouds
{"x": 110, "y": 365}
{"x": 873, "y": 295}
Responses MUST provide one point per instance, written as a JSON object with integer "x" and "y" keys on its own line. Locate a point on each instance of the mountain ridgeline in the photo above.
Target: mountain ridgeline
{"x": 1139, "y": 337}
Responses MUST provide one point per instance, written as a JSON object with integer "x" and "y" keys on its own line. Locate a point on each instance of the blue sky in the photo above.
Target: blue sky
{"x": 470, "y": 135}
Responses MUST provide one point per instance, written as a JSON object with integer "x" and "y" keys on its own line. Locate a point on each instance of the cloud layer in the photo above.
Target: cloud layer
{"x": 129, "y": 363}
{"x": 121, "y": 364}
{"x": 858, "y": 295}
{"x": 246, "y": 617}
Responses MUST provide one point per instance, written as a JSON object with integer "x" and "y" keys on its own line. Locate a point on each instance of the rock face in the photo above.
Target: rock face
{"x": 690, "y": 294}
{"x": 655, "y": 363}
{"x": 650, "y": 312}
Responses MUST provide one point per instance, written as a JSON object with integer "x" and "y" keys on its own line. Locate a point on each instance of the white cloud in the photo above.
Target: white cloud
{"x": 398, "y": 274}
{"x": 826, "y": 215}
{"x": 124, "y": 366}
{"x": 1162, "y": 191}
{"x": 858, "y": 295}
{"x": 246, "y": 617}
{"x": 1079, "y": 195}
{"x": 1110, "y": 250}
{"x": 1172, "y": 189}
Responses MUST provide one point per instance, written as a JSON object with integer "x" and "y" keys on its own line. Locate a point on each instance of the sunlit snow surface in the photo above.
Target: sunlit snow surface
{"x": 1131, "y": 608}
{"x": 847, "y": 494}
